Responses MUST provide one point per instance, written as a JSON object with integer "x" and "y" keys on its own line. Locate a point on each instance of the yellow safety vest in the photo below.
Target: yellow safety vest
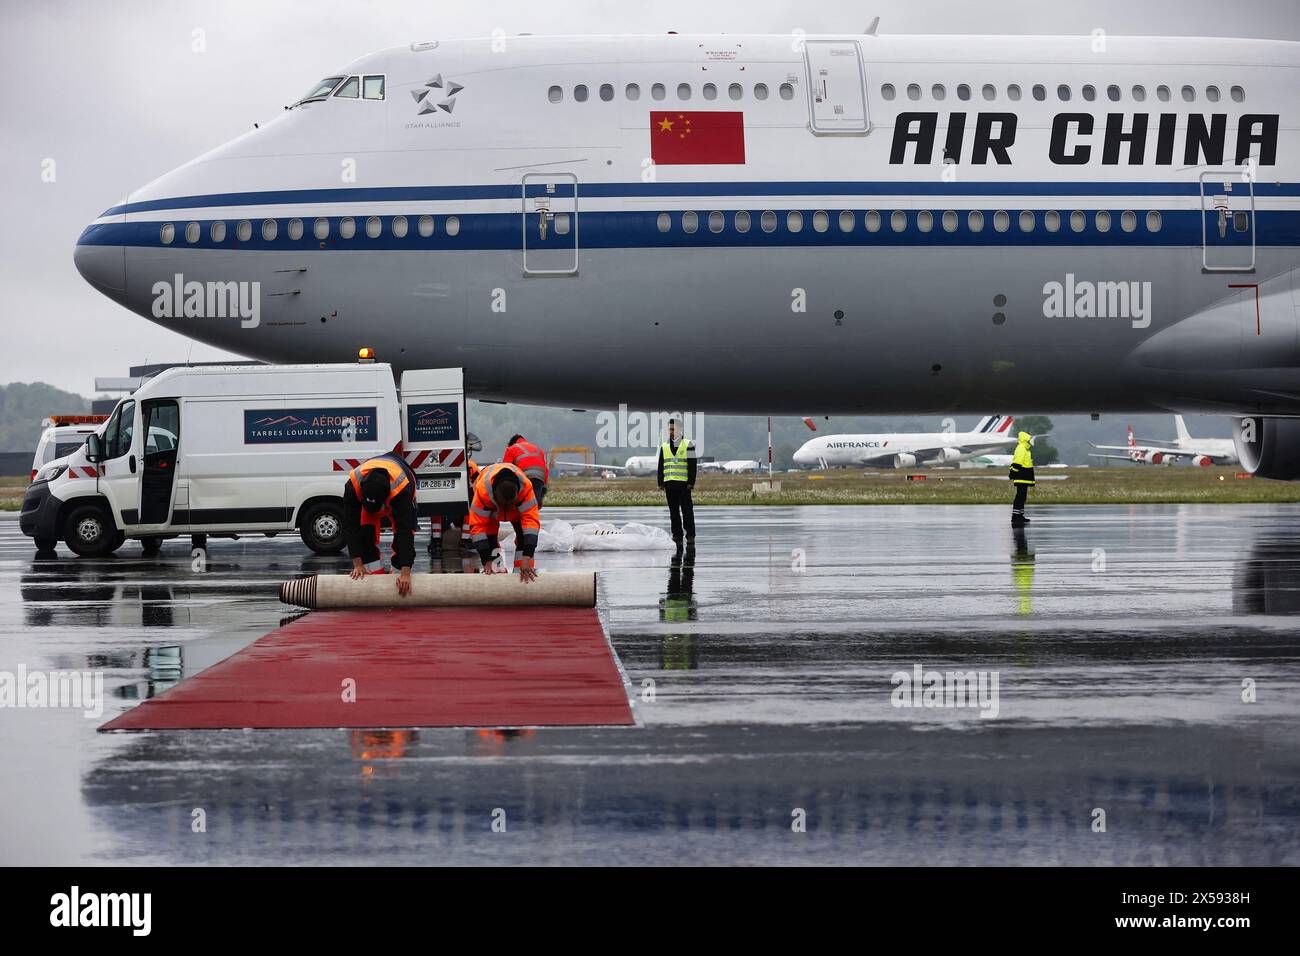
{"x": 675, "y": 466}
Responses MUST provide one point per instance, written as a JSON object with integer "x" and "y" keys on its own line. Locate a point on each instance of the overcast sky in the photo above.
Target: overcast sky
{"x": 114, "y": 94}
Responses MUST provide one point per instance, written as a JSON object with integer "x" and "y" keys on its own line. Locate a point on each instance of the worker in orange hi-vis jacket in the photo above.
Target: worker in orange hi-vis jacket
{"x": 531, "y": 460}
{"x": 504, "y": 493}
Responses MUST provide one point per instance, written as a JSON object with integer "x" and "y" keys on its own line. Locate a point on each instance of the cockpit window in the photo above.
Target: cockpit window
{"x": 349, "y": 89}
{"x": 322, "y": 89}
{"x": 373, "y": 88}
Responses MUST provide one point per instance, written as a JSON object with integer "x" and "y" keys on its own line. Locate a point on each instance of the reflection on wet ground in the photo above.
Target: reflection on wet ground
{"x": 1147, "y": 667}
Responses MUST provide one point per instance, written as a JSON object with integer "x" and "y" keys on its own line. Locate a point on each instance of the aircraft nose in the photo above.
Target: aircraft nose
{"x": 101, "y": 261}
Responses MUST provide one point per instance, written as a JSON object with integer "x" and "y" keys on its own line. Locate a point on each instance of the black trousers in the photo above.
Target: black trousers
{"x": 681, "y": 510}
{"x": 1018, "y": 507}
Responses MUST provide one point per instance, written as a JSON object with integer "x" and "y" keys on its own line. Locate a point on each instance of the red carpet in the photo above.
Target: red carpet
{"x": 426, "y": 667}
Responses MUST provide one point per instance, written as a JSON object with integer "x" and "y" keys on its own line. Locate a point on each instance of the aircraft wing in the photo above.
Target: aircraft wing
{"x": 1113, "y": 457}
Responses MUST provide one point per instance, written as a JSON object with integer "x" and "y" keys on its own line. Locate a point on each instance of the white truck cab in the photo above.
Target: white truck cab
{"x": 225, "y": 450}
{"x": 63, "y": 435}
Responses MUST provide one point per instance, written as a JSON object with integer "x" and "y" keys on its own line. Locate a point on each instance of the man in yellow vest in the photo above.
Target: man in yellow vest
{"x": 378, "y": 490}
{"x": 677, "y": 464}
{"x": 1022, "y": 476}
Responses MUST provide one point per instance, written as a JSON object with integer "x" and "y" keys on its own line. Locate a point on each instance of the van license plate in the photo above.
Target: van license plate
{"x": 435, "y": 484}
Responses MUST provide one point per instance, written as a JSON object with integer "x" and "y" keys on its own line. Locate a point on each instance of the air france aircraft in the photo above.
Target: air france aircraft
{"x": 761, "y": 224}
{"x": 991, "y": 434}
{"x": 1197, "y": 451}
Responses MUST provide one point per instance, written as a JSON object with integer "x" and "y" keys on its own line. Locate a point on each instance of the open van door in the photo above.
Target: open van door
{"x": 433, "y": 440}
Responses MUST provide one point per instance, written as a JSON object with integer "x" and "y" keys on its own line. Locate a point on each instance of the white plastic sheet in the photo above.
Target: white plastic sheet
{"x": 560, "y": 536}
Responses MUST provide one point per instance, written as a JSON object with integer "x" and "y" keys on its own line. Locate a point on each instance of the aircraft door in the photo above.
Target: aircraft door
{"x": 1227, "y": 222}
{"x": 162, "y": 432}
{"x": 550, "y": 224}
{"x": 837, "y": 91}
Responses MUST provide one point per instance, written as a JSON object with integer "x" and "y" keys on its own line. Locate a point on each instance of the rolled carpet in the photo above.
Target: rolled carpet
{"x": 566, "y": 588}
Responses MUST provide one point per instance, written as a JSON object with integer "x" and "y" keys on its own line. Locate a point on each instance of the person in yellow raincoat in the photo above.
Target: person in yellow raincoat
{"x": 1022, "y": 476}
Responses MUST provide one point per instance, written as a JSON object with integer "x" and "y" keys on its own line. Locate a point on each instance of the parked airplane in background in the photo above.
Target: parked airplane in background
{"x": 735, "y": 466}
{"x": 637, "y": 466}
{"x": 1119, "y": 232}
{"x": 1198, "y": 451}
{"x": 907, "y": 450}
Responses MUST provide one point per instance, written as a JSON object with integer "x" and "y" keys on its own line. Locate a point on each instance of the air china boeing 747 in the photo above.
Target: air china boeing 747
{"x": 921, "y": 224}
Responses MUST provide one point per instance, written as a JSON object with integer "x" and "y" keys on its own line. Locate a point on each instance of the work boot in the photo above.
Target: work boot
{"x": 677, "y": 540}
{"x": 1018, "y": 519}
{"x": 690, "y": 541}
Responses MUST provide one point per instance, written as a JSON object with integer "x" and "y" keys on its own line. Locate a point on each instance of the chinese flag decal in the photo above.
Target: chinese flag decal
{"x": 687, "y": 137}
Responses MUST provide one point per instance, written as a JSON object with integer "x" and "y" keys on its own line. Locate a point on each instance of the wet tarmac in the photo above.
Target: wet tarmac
{"x": 1147, "y": 667}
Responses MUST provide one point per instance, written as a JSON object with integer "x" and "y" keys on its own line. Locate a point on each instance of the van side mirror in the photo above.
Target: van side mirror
{"x": 94, "y": 449}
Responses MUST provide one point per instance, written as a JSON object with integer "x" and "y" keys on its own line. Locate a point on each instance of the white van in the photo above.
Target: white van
{"x": 228, "y": 450}
{"x": 63, "y": 435}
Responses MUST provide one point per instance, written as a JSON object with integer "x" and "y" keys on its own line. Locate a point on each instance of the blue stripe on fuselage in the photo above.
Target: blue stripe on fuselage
{"x": 652, "y": 190}
{"x": 614, "y": 230}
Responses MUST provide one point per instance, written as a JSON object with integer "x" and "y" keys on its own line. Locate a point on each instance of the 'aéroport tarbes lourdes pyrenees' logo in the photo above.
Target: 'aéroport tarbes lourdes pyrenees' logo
{"x": 437, "y": 95}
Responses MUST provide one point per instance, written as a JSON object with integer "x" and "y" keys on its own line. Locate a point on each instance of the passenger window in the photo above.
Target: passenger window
{"x": 975, "y": 221}
{"x": 846, "y": 221}
{"x": 888, "y": 91}
{"x": 925, "y": 220}
{"x": 1154, "y": 220}
{"x": 794, "y": 221}
{"x": 963, "y": 91}
{"x": 580, "y": 93}
{"x": 821, "y": 221}
{"x": 1052, "y": 220}
{"x": 913, "y": 91}
{"x": 374, "y": 88}
{"x": 606, "y": 92}
{"x": 218, "y": 231}
{"x": 633, "y": 92}
{"x": 711, "y": 92}
{"x": 657, "y": 91}
{"x": 1040, "y": 92}
{"x": 555, "y": 94}
{"x": 989, "y": 91}
{"x": 347, "y": 227}
{"x": 690, "y": 222}
{"x": 453, "y": 225}
{"x": 716, "y": 221}
{"x": 768, "y": 221}
{"x": 321, "y": 228}
{"x": 1001, "y": 221}
{"x": 351, "y": 89}
{"x": 244, "y": 231}
{"x": 938, "y": 92}
{"x": 1090, "y": 92}
{"x": 1013, "y": 91}
{"x": 1162, "y": 93}
{"x": 374, "y": 227}
{"x": 1078, "y": 220}
{"x": 950, "y": 220}
{"x": 871, "y": 220}
{"x": 1026, "y": 220}
{"x": 1240, "y": 222}
{"x": 426, "y": 226}
{"x": 1112, "y": 93}
{"x": 1139, "y": 93}
{"x": 735, "y": 91}
{"x": 760, "y": 91}
{"x": 167, "y": 234}
{"x": 663, "y": 222}
{"x": 786, "y": 91}
{"x": 683, "y": 91}
{"x": 295, "y": 229}
{"x": 898, "y": 220}
{"x": 399, "y": 227}
{"x": 742, "y": 221}
{"x": 1128, "y": 220}
{"x": 1103, "y": 221}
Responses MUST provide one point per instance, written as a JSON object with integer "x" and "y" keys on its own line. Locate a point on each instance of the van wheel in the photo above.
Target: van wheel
{"x": 322, "y": 528}
{"x": 89, "y": 532}
{"x": 150, "y": 546}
